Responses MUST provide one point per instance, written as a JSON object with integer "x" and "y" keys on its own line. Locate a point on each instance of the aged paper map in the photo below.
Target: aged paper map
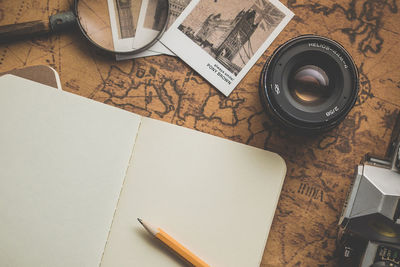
{"x": 320, "y": 168}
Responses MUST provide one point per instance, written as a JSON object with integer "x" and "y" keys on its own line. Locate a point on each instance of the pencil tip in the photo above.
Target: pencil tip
{"x": 140, "y": 220}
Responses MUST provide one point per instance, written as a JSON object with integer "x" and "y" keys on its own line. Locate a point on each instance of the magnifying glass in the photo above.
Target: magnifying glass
{"x": 115, "y": 26}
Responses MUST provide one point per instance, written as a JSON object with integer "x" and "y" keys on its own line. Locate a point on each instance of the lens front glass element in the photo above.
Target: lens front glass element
{"x": 309, "y": 85}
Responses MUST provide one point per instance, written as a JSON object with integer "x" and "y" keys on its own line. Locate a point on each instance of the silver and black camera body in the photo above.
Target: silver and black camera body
{"x": 369, "y": 232}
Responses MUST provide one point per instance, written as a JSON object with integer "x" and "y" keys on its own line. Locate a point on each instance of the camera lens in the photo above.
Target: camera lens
{"x": 310, "y": 84}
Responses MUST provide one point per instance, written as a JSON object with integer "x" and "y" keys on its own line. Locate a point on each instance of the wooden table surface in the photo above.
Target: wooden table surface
{"x": 320, "y": 168}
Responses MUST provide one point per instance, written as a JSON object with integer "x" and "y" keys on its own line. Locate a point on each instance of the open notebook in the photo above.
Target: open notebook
{"x": 75, "y": 174}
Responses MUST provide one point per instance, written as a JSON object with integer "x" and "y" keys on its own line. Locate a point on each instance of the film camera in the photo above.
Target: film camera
{"x": 369, "y": 232}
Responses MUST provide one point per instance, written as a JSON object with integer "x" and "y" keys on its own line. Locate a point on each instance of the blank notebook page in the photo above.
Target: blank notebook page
{"x": 63, "y": 159}
{"x": 214, "y": 196}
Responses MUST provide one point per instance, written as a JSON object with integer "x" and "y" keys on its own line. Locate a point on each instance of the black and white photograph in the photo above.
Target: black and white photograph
{"x": 123, "y": 21}
{"x": 152, "y": 20}
{"x": 155, "y": 14}
{"x": 221, "y": 40}
{"x": 176, "y": 8}
{"x": 231, "y": 33}
{"x": 127, "y": 13}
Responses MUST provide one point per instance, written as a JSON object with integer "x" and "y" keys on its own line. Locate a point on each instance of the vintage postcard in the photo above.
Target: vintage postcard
{"x": 151, "y": 18}
{"x": 149, "y": 24}
{"x": 223, "y": 39}
{"x": 124, "y": 16}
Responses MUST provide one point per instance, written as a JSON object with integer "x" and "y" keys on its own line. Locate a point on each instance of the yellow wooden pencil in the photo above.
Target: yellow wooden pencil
{"x": 174, "y": 245}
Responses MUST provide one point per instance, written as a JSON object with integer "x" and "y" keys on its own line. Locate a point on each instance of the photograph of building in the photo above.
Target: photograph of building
{"x": 231, "y": 39}
{"x": 127, "y": 14}
{"x": 156, "y": 15}
{"x": 175, "y": 9}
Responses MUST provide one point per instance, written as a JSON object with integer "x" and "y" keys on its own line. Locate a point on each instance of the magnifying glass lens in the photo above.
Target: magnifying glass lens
{"x": 122, "y": 26}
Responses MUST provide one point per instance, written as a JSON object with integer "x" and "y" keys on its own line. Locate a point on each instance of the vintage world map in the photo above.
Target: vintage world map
{"x": 319, "y": 168}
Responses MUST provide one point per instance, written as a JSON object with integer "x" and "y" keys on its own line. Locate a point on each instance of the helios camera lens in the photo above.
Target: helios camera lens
{"x": 309, "y": 84}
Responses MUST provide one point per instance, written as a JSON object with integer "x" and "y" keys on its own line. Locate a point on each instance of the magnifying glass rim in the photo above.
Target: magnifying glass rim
{"x": 134, "y": 51}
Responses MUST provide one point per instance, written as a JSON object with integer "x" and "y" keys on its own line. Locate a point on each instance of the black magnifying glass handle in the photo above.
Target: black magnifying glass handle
{"x": 56, "y": 23}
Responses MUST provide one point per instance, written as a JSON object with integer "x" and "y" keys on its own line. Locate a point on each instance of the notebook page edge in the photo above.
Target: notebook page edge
{"x": 282, "y": 180}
